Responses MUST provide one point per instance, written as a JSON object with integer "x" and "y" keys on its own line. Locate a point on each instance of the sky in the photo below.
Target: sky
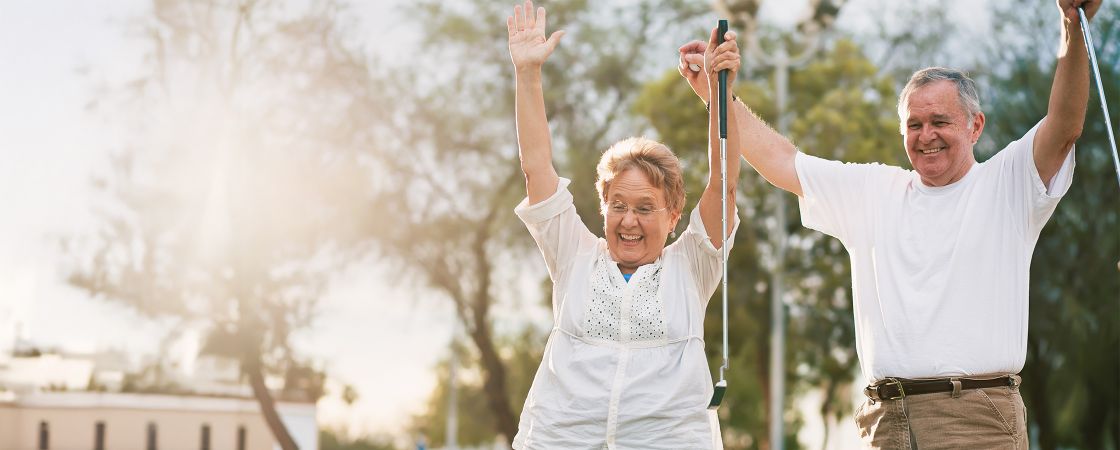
{"x": 56, "y": 54}
{"x": 48, "y": 159}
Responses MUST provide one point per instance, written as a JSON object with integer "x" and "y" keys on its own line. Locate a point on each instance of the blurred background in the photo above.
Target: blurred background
{"x": 266, "y": 224}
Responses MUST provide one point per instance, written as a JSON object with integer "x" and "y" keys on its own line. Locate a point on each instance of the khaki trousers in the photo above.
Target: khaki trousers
{"x": 988, "y": 418}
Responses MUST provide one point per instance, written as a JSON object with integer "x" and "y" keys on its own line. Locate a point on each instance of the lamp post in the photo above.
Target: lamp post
{"x": 452, "y": 431}
{"x": 745, "y": 14}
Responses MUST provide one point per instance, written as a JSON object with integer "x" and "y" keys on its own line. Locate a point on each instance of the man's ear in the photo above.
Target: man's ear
{"x": 978, "y": 121}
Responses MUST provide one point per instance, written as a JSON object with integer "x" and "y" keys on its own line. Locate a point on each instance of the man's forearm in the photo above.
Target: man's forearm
{"x": 1069, "y": 96}
{"x": 770, "y": 153}
{"x": 1069, "y": 99}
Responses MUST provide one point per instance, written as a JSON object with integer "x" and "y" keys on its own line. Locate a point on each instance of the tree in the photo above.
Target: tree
{"x": 220, "y": 208}
{"x": 1070, "y": 378}
{"x": 452, "y": 192}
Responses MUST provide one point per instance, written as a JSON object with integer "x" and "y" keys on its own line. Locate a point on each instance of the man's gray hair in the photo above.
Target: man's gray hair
{"x": 966, "y": 91}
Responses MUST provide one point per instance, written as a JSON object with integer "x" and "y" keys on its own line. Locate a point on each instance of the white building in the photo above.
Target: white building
{"x": 44, "y": 404}
{"x": 118, "y": 421}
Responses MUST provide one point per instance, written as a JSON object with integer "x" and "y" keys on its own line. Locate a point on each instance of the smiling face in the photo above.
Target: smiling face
{"x": 938, "y": 133}
{"x": 635, "y": 239}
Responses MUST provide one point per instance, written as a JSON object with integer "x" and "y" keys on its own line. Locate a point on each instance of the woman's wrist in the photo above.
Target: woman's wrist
{"x": 528, "y": 72}
{"x": 528, "y": 68}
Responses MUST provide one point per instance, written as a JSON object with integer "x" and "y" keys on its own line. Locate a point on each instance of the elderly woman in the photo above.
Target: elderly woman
{"x": 624, "y": 366}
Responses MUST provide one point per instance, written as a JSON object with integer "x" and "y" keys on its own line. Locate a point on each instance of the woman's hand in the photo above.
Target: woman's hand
{"x": 527, "y": 44}
{"x": 691, "y": 68}
{"x": 725, "y": 56}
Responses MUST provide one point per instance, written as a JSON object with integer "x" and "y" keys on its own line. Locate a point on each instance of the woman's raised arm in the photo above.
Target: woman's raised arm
{"x": 725, "y": 56}
{"x": 528, "y": 48}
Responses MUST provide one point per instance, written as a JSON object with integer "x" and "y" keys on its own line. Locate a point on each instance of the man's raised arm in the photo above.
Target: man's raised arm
{"x": 1069, "y": 95}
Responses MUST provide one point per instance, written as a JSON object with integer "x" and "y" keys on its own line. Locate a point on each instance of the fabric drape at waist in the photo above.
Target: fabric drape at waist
{"x": 628, "y": 345}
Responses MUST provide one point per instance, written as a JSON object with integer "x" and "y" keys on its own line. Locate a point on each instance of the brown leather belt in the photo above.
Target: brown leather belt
{"x": 896, "y": 388}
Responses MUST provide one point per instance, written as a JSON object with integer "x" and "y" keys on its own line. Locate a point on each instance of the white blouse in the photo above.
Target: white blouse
{"x": 624, "y": 366}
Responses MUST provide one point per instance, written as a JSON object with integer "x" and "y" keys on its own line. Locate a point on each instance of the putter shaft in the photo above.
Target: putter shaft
{"x": 1100, "y": 89}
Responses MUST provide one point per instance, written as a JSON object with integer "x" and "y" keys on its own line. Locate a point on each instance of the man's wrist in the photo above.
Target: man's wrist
{"x": 708, "y": 105}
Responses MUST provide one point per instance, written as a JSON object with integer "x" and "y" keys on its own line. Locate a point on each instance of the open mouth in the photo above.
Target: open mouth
{"x": 930, "y": 151}
{"x": 630, "y": 237}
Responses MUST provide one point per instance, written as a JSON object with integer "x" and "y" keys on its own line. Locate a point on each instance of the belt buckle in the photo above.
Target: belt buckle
{"x": 872, "y": 393}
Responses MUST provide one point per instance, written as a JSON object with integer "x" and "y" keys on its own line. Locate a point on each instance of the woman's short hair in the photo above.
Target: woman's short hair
{"x": 652, "y": 158}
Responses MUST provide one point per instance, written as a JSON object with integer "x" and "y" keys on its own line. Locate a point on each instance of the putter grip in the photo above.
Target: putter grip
{"x": 722, "y": 84}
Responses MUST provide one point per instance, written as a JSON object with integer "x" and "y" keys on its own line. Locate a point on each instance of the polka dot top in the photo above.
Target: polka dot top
{"x": 622, "y": 311}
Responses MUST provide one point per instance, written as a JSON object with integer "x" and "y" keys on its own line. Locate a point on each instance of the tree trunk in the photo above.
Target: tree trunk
{"x": 826, "y": 409}
{"x": 762, "y": 366}
{"x": 1093, "y": 426}
{"x": 1035, "y": 384}
{"x": 494, "y": 382}
{"x": 268, "y": 406}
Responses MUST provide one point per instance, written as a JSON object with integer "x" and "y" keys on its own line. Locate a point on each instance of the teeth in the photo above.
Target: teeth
{"x": 931, "y": 150}
{"x": 630, "y": 237}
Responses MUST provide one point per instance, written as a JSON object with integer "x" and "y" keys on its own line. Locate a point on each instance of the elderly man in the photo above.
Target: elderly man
{"x": 940, "y": 254}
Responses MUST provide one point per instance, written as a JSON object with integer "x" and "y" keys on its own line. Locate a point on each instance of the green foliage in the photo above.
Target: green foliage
{"x": 845, "y": 109}
{"x": 1070, "y": 378}
{"x": 330, "y": 440}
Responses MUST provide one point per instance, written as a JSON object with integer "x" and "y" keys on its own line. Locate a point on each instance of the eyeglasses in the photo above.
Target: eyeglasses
{"x": 617, "y": 208}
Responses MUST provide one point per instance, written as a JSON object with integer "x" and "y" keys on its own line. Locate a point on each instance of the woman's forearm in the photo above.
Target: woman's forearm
{"x": 534, "y": 140}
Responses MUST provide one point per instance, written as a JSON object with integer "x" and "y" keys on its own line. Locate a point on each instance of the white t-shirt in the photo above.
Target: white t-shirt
{"x": 939, "y": 274}
{"x": 624, "y": 366}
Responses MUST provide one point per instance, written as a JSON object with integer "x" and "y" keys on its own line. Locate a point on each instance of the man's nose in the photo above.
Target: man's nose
{"x": 927, "y": 134}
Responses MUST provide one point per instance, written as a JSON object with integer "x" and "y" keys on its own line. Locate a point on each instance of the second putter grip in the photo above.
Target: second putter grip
{"x": 721, "y": 31}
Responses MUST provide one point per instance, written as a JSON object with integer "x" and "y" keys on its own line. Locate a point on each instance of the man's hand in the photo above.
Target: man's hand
{"x": 527, "y": 44}
{"x": 1069, "y": 8}
{"x": 719, "y": 57}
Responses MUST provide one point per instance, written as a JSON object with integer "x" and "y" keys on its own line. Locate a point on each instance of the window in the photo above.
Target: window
{"x": 151, "y": 436}
{"x": 241, "y": 437}
{"x": 99, "y": 436}
{"x": 205, "y": 436}
{"x": 44, "y": 436}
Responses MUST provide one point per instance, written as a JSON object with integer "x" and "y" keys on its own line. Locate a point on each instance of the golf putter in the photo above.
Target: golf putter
{"x": 721, "y": 386}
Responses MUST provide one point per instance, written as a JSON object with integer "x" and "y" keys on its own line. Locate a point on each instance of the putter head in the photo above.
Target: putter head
{"x": 717, "y": 394}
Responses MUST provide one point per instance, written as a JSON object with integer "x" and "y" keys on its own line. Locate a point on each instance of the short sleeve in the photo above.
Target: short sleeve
{"x": 834, "y": 196}
{"x": 1028, "y": 196}
{"x": 704, "y": 259}
{"x": 557, "y": 229}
